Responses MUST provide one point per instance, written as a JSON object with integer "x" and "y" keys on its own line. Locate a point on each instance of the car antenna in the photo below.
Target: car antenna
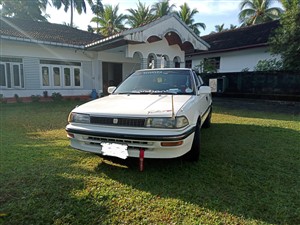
{"x": 172, "y": 99}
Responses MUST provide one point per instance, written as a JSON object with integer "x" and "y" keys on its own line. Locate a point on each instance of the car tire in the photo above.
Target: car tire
{"x": 207, "y": 122}
{"x": 194, "y": 154}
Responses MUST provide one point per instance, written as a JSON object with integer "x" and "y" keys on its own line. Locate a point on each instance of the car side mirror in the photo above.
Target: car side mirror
{"x": 111, "y": 89}
{"x": 204, "y": 90}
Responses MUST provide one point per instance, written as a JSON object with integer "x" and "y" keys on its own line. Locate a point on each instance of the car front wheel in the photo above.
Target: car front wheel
{"x": 207, "y": 121}
{"x": 194, "y": 153}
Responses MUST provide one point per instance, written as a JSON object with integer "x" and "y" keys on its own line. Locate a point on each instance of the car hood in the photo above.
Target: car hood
{"x": 134, "y": 105}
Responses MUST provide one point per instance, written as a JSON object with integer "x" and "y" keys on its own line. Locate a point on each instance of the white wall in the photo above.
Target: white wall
{"x": 236, "y": 61}
{"x": 31, "y": 55}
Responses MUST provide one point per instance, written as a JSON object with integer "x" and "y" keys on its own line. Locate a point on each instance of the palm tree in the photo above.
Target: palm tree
{"x": 186, "y": 15}
{"x": 79, "y": 5}
{"x": 290, "y": 4}
{"x": 232, "y": 27}
{"x": 220, "y": 28}
{"x": 96, "y": 8}
{"x": 32, "y": 10}
{"x": 162, "y": 8}
{"x": 109, "y": 21}
{"x": 258, "y": 11}
{"x": 141, "y": 15}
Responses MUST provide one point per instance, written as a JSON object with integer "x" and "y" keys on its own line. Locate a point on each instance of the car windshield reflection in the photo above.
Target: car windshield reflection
{"x": 158, "y": 82}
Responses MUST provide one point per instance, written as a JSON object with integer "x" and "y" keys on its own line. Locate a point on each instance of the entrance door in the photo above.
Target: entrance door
{"x": 111, "y": 75}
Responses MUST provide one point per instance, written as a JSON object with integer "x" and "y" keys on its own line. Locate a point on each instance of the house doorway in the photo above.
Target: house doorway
{"x": 111, "y": 75}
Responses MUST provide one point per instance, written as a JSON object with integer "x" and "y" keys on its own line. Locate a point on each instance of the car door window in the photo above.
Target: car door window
{"x": 198, "y": 84}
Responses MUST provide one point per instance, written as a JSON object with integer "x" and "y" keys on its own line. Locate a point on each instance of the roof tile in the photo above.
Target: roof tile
{"x": 44, "y": 31}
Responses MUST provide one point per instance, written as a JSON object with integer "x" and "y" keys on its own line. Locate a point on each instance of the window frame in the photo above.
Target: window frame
{"x": 62, "y": 81}
{"x": 9, "y": 75}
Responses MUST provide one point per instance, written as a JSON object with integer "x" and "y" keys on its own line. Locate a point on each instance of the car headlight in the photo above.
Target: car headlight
{"x": 162, "y": 122}
{"x": 78, "y": 118}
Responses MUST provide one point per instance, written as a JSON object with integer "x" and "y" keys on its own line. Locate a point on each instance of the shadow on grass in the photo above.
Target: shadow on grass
{"x": 44, "y": 189}
{"x": 248, "y": 171}
{"x": 279, "y": 110}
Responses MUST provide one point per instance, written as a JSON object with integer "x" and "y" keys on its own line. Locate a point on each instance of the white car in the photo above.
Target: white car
{"x": 155, "y": 113}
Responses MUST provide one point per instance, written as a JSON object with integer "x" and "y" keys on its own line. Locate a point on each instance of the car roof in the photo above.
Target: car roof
{"x": 162, "y": 69}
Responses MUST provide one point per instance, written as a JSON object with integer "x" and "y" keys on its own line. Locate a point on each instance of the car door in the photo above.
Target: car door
{"x": 203, "y": 96}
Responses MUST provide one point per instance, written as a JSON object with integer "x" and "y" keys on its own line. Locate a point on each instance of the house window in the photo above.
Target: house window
{"x": 45, "y": 76}
{"x": 11, "y": 73}
{"x": 188, "y": 64}
{"x": 77, "y": 77}
{"x": 56, "y": 76}
{"x": 212, "y": 63}
{"x": 60, "y": 74}
{"x": 67, "y": 76}
{"x": 2, "y": 75}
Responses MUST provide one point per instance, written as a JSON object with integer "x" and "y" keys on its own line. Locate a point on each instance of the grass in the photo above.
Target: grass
{"x": 248, "y": 174}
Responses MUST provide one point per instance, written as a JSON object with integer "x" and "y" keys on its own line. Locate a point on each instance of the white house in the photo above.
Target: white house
{"x": 235, "y": 50}
{"x": 36, "y": 56}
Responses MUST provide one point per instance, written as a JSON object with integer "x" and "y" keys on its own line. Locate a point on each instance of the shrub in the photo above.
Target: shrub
{"x": 18, "y": 99}
{"x": 2, "y": 100}
{"x": 56, "y": 96}
{"x": 35, "y": 98}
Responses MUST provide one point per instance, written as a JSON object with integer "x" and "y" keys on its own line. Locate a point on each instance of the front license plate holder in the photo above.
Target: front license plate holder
{"x": 113, "y": 149}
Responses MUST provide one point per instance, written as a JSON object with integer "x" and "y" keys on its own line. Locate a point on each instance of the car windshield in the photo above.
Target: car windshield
{"x": 158, "y": 82}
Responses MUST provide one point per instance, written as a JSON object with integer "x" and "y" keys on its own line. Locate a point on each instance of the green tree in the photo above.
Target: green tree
{"x": 290, "y": 4}
{"x": 109, "y": 21}
{"x": 268, "y": 65}
{"x": 286, "y": 41}
{"x": 220, "y": 28}
{"x": 232, "y": 27}
{"x": 162, "y": 8}
{"x": 96, "y": 8}
{"x": 79, "y": 5}
{"x": 141, "y": 15}
{"x": 33, "y": 9}
{"x": 186, "y": 14}
{"x": 258, "y": 11}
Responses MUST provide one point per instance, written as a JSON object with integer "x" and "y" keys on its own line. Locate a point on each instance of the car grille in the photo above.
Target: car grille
{"x": 126, "y": 122}
{"x": 132, "y": 144}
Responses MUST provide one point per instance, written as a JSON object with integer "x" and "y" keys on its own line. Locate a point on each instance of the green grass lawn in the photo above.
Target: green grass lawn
{"x": 249, "y": 173}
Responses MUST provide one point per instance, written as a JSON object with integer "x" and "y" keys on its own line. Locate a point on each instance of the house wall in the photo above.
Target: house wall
{"x": 157, "y": 48}
{"x": 236, "y": 61}
{"x": 32, "y": 53}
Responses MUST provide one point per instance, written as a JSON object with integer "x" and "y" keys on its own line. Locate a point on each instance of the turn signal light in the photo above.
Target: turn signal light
{"x": 170, "y": 144}
{"x": 69, "y": 135}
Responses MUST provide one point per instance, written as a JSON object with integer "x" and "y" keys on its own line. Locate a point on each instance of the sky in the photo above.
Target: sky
{"x": 211, "y": 12}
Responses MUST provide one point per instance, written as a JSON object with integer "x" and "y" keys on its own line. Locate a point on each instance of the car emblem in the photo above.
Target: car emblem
{"x": 115, "y": 121}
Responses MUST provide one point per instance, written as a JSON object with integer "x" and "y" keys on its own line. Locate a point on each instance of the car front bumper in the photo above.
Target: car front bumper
{"x": 156, "y": 143}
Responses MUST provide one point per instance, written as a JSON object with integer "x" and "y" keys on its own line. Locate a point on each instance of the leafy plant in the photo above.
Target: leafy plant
{"x": 2, "y": 99}
{"x": 56, "y": 96}
{"x": 286, "y": 41}
{"x": 17, "y": 98}
{"x": 35, "y": 98}
{"x": 269, "y": 65}
{"x": 45, "y": 94}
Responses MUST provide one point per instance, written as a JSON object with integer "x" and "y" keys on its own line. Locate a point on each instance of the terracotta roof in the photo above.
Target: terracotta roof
{"x": 240, "y": 38}
{"x": 45, "y": 32}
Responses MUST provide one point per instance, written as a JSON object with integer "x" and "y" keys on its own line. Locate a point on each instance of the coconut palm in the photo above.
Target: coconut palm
{"x": 258, "y": 11}
{"x": 186, "y": 15}
{"x": 79, "y": 5}
{"x": 141, "y": 15}
{"x": 232, "y": 27}
{"x": 162, "y": 8}
{"x": 109, "y": 21}
{"x": 32, "y": 10}
{"x": 220, "y": 28}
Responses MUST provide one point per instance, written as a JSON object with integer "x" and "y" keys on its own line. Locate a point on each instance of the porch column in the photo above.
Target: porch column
{"x": 144, "y": 63}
